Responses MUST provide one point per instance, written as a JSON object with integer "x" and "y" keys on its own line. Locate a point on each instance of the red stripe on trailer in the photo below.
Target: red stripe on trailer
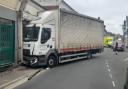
{"x": 89, "y": 47}
{"x": 73, "y": 49}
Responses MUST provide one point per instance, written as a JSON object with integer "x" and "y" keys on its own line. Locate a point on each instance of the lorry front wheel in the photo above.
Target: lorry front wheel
{"x": 51, "y": 62}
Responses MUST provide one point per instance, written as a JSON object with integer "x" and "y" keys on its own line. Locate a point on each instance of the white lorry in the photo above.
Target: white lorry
{"x": 60, "y": 36}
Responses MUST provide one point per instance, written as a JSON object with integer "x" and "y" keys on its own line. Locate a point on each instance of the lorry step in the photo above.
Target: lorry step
{"x": 72, "y": 59}
{"x": 71, "y": 55}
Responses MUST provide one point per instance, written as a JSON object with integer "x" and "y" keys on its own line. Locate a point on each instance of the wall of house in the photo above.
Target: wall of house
{"x": 9, "y": 14}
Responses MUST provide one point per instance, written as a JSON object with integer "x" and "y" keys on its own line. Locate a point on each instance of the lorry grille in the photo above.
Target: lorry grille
{"x": 26, "y": 52}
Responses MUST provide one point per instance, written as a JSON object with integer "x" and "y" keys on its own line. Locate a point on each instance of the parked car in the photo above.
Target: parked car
{"x": 120, "y": 46}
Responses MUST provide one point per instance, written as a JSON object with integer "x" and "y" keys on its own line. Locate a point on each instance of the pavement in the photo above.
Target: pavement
{"x": 12, "y": 78}
{"x": 103, "y": 71}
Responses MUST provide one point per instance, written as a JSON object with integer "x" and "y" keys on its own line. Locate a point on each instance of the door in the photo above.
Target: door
{"x": 7, "y": 44}
{"x": 47, "y": 39}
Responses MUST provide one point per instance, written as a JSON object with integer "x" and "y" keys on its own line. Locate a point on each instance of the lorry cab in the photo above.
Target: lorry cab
{"x": 38, "y": 41}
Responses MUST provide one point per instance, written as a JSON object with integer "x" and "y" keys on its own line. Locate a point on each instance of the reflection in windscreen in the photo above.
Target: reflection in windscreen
{"x": 31, "y": 33}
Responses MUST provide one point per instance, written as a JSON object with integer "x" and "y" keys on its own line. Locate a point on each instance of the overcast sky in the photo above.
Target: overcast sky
{"x": 113, "y": 12}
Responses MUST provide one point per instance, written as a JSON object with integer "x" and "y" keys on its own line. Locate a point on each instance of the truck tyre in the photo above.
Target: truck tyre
{"x": 89, "y": 55}
{"x": 51, "y": 62}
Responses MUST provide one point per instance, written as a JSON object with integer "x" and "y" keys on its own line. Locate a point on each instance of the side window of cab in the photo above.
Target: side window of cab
{"x": 45, "y": 35}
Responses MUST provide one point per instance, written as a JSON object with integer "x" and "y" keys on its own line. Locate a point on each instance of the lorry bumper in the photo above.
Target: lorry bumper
{"x": 34, "y": 61}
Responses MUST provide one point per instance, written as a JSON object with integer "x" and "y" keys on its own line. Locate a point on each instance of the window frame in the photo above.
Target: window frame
{"x": 45, "y": 30}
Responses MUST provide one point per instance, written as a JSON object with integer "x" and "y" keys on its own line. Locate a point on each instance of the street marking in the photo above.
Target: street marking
{"x": 21, "y": 81}
{"x": 109, "y": 70}
{"x": 14, "y": 85}
{"x": 108, "y": 66}
{"x": 42, "y": 72}
{"x": 9, "y": 83}
{"x": 110, "y": 75}
{"x": 113, "y": 83}
{"x": 106, "y": 62}
{"x": 47, "y": 68}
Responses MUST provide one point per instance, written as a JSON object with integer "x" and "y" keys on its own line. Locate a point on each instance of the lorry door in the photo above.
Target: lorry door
{"x": 47, "y": 36}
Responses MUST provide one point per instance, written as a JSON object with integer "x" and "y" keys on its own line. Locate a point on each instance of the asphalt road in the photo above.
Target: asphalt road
{"x": 104, "y": 71}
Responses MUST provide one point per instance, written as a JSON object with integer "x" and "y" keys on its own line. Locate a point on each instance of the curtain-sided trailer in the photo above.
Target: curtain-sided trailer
{"x": 61, "y": 36}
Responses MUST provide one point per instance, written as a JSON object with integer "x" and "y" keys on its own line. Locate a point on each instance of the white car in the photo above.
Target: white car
{"x": 120, "y": 45}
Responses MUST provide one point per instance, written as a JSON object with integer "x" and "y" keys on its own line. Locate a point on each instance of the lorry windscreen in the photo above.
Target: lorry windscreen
{"x": 31, "y": 33}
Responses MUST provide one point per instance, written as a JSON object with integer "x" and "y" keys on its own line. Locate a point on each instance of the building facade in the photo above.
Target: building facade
{"x": 8, "y": 36}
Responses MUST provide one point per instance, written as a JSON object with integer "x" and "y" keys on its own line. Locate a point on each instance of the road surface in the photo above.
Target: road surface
{"x": 104, "y": 71}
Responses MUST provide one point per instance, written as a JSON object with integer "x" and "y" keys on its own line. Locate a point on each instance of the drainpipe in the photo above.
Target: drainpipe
{"x": 20, "y": 37}
{"x": 20, "y": 10}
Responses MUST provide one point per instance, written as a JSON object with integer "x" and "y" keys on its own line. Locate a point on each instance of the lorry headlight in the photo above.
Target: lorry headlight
{"x": 34, "y": 61}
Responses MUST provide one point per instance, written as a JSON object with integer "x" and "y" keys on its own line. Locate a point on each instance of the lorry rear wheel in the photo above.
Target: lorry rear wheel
{"x": 51, "y": 62}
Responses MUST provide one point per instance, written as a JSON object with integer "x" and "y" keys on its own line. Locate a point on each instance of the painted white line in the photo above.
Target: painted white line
{"x": 106, "y": 62}
{"x": 109, "y": 70}
{"x": 12, "y": 86}
{"x": 47, "y": 68}
{"x": 41, "y": 72}
{"x": 21, "y": 81}
{"x": 113, "y": 83}
{"x": 20, "y": 78}
{"x": 126, "y": 59}
{"x": 107, "y": 66}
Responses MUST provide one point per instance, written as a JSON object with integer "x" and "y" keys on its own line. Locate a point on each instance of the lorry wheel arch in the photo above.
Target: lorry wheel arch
{"x": 51, "y": 61}
{"x": 52, "y": 56}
